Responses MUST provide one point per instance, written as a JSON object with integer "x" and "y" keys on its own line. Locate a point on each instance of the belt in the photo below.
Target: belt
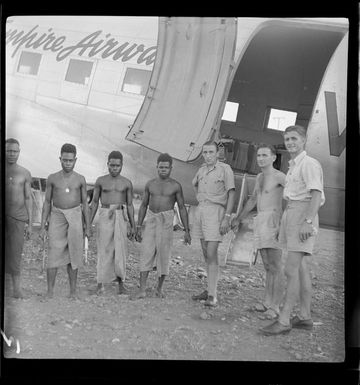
{"x": 108, "y": 206}
{"x": 292, "y": 203}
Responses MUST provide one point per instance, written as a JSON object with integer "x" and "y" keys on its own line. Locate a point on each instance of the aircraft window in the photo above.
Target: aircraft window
{"x": 230, "y": 111}
{"x": 136, "y": 81}
{"x": 79, "y": 71}
{"x": 280, "y": 119}
{"x": 29, "y": 63}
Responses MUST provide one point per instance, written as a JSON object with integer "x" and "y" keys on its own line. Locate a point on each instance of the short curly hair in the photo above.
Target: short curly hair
{"x": 115, "y": 155}
{"x": 69, "y": 148}
{"x": 165, "y": 157}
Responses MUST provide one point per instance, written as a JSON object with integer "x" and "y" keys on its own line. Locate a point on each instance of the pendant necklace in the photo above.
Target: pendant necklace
{"x": 67, "y": 190}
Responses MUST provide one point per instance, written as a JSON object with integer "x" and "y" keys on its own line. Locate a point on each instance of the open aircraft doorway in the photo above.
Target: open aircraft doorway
{"x": 283, "y": 72}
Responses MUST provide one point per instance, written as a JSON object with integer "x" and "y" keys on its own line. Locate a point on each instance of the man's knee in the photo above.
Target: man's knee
{"x": 265, "y": 259}
{"x": 291, "y": 271}
{"x": 274, "y": 262}
{"x": 212, "y": 251}
{"x": 293, "y": 263}
{"x": 275, "y": 268}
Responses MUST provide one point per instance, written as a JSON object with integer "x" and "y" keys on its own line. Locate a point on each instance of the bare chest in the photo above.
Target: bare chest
{"x": 14, "y": 181}
{"x": 66, "y": 185}
{"x": 271, "y": 187}
{"x": 115, "y": 186}
{"x": 165, "y": 189}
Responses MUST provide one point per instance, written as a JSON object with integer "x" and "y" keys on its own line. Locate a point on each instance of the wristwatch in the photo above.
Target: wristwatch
{"x": 309, "y": 221}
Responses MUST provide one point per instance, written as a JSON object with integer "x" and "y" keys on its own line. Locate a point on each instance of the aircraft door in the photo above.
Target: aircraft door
{"x": 193, "y": 63}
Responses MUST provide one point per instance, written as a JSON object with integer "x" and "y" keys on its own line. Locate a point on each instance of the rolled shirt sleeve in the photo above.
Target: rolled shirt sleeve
{"x": 313, "y": 175}
{"x": 229, "y": 180}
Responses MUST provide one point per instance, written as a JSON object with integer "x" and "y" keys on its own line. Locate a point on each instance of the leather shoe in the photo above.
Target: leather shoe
{"x": 306, "y": 324}
{"x": 275, "y": 329}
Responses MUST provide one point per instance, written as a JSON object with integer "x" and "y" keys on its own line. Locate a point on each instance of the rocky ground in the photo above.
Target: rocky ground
{"x": 112, "y": 326}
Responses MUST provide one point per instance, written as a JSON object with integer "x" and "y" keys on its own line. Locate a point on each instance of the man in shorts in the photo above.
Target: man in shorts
{"x": 215, "y": 191}
{"x": 268, "y": 197}
{"x": 158, "y": 202}
{"x": 304, "y": 193}
{"x": 18, "y": 212}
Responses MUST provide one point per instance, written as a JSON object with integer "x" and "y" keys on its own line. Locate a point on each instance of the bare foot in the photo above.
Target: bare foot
{"x": 139, "y": 295}
{"x": 100, "y": 290}
{"x": 122, "y": 290}
{"x": 46, "y": 297}
{"x": 18, "y": 294}
{"x": 159, "y": 294}
{"x": 73, "y": 296}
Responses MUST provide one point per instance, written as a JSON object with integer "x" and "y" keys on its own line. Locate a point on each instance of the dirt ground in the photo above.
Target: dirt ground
{"x": 111, "y": 326}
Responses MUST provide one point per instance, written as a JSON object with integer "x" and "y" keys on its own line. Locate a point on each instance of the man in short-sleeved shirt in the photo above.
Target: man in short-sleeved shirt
{"x": 304, "y": 193}
{"x": 215, "y": 191}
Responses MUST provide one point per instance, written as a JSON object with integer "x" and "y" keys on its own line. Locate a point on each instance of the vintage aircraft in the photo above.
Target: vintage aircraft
{"x": 146, "y": 85}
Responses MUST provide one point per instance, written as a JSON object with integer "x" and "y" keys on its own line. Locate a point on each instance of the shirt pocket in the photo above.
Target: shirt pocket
{"x": 216, "y": 186}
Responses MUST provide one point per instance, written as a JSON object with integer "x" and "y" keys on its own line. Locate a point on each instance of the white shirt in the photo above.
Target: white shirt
{"x": 305, "y": 174}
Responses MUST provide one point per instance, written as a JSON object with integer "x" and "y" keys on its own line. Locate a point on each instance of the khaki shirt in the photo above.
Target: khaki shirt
{"x": 305, "y": 174}
{"x": 212, "y": 185}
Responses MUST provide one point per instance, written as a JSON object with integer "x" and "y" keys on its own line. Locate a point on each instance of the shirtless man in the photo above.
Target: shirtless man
{"x": 64, "y": 209}
{"x": 160, "y": 196}
{"x": 267, "y": 196}
{"x": 304, "y": 193}
{"x": 18, "y": 212}
{"x": 114, "y": 192}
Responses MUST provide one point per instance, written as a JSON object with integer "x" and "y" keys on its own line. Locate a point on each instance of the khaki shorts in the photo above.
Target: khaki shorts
{"x": 291, "y": 221}
{"x": 266, "y": 229}
{"x": 207, "y": 219}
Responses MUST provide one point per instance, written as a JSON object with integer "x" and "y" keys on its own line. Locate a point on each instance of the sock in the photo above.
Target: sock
{"x": 213, "y": 279}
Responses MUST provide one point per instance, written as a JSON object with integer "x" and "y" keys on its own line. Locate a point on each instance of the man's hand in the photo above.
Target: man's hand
{"x": 43, "y": 233}
{"x": 28, "y": 231}
{"x": 131, "y": 233}
{"x": 87, "y": 231}
{"x": 224, "y": 225}
{"x": 111, "y": 212}
{"x": 235, "y": 224}
{"x": 187, "y": 238}
{"x": 306, "y": 231}
{"x": 138, "y": 234}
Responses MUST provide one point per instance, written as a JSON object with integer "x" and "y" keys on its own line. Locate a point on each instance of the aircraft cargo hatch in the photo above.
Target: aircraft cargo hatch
{"x": 191, "y": 71}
